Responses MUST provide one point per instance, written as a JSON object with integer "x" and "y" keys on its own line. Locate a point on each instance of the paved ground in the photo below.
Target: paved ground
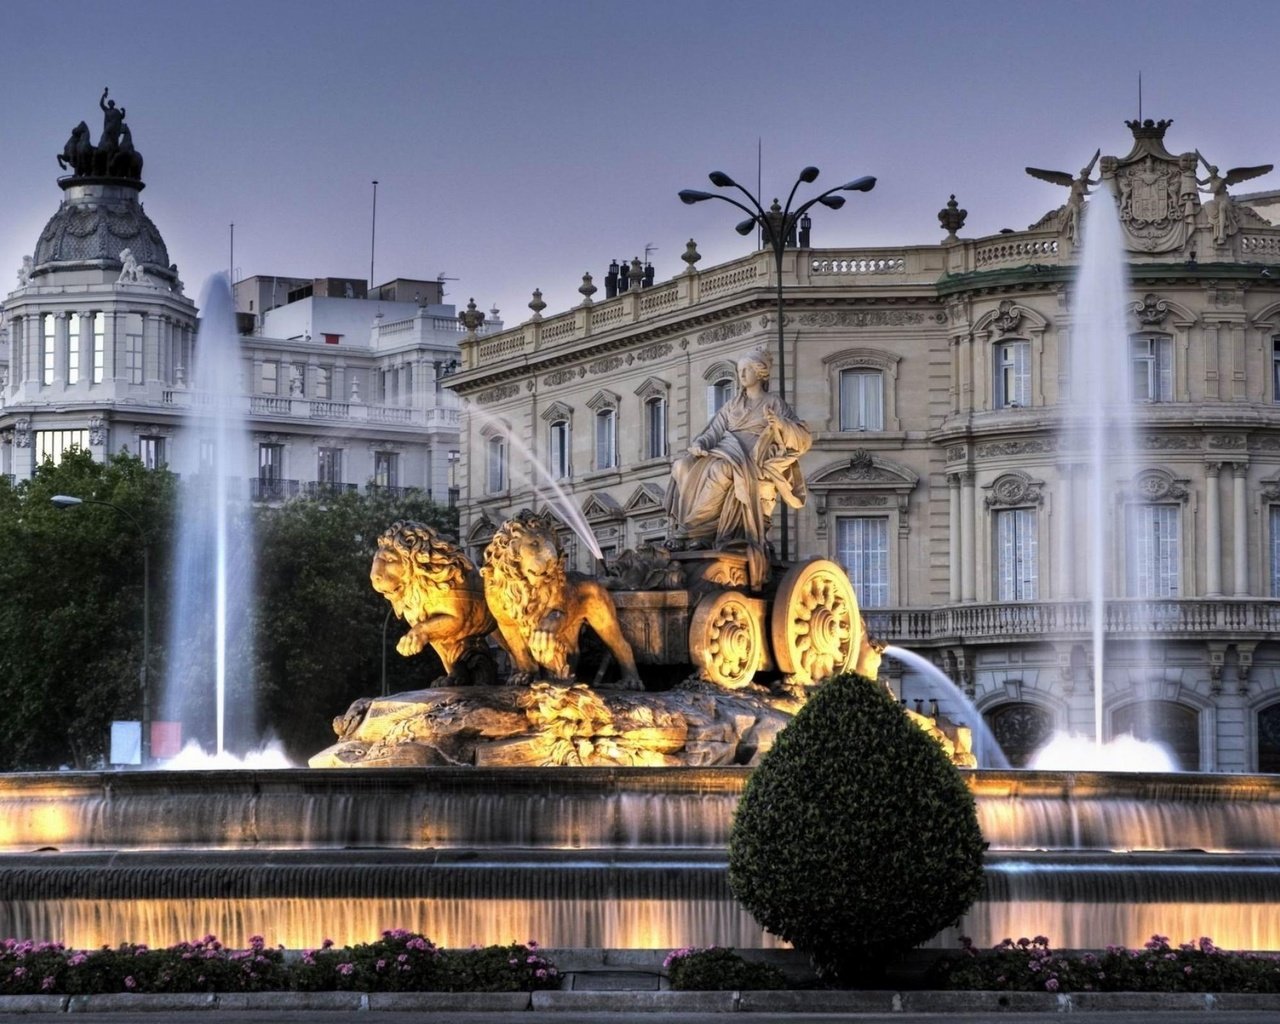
{"x": 567, "y": 1017}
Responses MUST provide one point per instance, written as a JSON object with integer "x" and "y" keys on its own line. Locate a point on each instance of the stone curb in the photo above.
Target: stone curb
{"x": 665, "y": 1001}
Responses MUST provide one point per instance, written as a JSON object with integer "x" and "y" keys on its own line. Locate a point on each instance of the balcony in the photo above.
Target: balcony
{"x": 1125, "y": 618}
{"x": 261, "y": 489}
{"x": 329, "y": 488}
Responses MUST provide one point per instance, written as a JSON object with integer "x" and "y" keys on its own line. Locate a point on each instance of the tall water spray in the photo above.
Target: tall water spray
{"x": 209, "y": 686}
{"x": 1101, "y": 403}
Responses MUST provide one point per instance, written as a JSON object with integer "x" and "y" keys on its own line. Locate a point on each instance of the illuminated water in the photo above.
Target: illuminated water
{"x": 939, "y": 686}
{"x": 209, "y": 684}
{"x": 591, "y": 857}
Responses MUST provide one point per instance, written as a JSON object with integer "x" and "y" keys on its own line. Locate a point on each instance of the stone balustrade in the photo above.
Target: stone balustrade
{"x": 1189, "y": 618}
{"x": 270, "y": 406}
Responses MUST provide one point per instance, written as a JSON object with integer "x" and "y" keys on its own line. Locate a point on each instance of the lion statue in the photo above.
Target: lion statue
{"x": 436, "y": 589}
{"x": 541, "y": 608}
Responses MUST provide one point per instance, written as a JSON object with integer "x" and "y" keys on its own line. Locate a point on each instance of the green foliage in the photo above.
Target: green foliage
{"x": 321, "y": 623}
{"x": 403, "y": 961}
{"x": 71, "y": 624}
{"x": 719, "y": 970}
{"x": 1030, "y": 965}
{"x": 856, "y": 839}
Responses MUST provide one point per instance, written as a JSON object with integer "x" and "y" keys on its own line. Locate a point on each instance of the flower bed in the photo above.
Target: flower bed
{"x": 716, "y": 969}
{"x": 1030, "y": 965}
{"x": 400, "y": 961}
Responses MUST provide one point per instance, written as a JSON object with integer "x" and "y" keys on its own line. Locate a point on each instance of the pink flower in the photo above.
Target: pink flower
{"x": 345, "y": 969}
{"x": 1051, "y": 985}
{"x": 326, "y": 944}
{"x": 129, "y": 983}
{"x": 47, "y": 983}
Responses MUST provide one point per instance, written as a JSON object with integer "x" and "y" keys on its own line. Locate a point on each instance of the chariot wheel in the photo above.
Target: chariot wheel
{"x": 726, "y": 638}
{"x": 816, "y": 626}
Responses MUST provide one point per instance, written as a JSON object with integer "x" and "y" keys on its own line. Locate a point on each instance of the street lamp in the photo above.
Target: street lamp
{"x": 777, "y": 228}
{"x": 68, "y": 501}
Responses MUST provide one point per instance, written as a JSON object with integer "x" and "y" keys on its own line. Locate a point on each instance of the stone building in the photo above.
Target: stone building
{"x": 343, "y": 384}
{"x": 934, "y": 379}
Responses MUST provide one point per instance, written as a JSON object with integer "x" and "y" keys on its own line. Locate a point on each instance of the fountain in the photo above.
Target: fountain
{"x": 211, "y": 651}
{"x": 618, "y": 851}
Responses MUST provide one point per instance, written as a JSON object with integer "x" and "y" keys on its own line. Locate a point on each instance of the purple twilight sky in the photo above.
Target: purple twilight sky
{"x": 519, "y": 144}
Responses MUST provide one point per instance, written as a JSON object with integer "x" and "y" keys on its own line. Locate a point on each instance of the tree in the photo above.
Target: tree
{"x": 321, "y": 623}
{"x": 856, "y": 839}
{"x": 71, "y": 624}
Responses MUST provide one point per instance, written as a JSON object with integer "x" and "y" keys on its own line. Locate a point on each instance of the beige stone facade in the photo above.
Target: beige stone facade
{"x": 934, "y": 380}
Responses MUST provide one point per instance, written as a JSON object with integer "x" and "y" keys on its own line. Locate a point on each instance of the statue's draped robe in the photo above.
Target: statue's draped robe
{"x": 727, "y": 497}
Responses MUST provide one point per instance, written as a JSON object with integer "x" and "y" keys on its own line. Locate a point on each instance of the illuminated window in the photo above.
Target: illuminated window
{"x": 151, "y": 451}
{"x": 386, "y": 469}
{"x": 52, "y": 445}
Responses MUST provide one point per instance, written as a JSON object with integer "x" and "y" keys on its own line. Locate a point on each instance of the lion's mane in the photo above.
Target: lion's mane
{"x": 512, "y": 591}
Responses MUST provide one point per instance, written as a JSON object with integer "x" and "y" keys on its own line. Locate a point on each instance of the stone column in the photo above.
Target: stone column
{"x": 61, "y": 338}
{"x": 152, "y": 330}
{"x": 112, "y": 340}
{"x": 17, "y": 365}
{"x": 1240, "y": 515}
{"x": 86, "y": 348}
{"x": 968, "y": 548}
{"x": 953, "y": 482}
{"x": 1213, "y": 532}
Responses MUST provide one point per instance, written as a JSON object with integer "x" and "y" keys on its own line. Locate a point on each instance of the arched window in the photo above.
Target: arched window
{"x": 1164, "y": 721}
{"x": 1269, "y": 738}
{"x": 655, "y": 427}
{"x": 607, "y": 439}
{"x": 1021, "y": 728}
{"x": 718, "y": 394}
{"x": 496, "y": 479}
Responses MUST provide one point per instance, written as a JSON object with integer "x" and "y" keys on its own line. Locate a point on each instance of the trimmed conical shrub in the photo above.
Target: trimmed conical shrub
{"x": 856, "y": 839}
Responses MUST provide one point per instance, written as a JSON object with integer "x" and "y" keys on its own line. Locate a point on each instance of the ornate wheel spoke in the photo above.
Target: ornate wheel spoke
{"x": 815, "y": 624}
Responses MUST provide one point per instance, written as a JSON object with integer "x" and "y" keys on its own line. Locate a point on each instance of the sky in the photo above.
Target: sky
{"x": 519, "y": 144}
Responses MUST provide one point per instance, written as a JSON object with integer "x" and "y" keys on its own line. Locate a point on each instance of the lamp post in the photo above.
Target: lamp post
{"x": 778, "y": 227}
{"x": 67, "y": 501}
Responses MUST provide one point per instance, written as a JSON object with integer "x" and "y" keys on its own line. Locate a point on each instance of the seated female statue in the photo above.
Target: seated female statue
{"x": 723, "y": 492}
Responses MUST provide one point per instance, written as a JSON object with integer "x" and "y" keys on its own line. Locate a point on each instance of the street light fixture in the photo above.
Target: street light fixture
{"x": 68, "y": 501}
{"x": 777, "y": 225}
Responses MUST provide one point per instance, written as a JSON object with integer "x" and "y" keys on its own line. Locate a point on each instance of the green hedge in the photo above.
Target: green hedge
{"x": 856, "y": 839}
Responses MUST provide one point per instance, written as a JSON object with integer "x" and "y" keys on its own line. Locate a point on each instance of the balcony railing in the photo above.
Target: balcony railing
{"x": 272, "y": 490}
{"x": 322, "y": 488}
{"x": 1072, "y": 620}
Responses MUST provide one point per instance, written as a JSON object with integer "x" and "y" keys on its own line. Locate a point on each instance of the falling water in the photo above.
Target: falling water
{"x": 939, "y": 686}
{"x": 210, "y": 636}
{"x": 1100, "y": 400}
{"x": 540, "y": 479}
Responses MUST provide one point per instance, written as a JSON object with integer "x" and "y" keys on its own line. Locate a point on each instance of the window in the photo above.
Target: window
{"x": 270, "y": 472}
{"x": 497, "y": 467}
{"x": 718, "y": 395}
{"x": 332, "y": 339}
{"x": 133, "y": 357}
{"x": 151, "y": 451}
{"x": 1013, "y": 375}
{"x": 73, "y": 348}
{"x": 1269, "y": 738}
{"x": 655, "y": 428}
{"x": 1164, "y": 721}
{"x": 51, "y": 445}
{"x": 1017, "y": 555}
{"x": 1275, "y": 369}
{"x": 558, "y": 449}
{"x": 607, "y": 439}
{"x": 1275, "y": 550}
{"x": 1154, "y": 551}
{"x": 1151, "y": 366}
{"x": 862, "y": 547}
{"x": 329, "y": 466}
{"x": 861, "y": 400}
{"x": 99, "y": 346}
{"x": 47, "y": 349}
{"x": 269, "y": 378}
{"x": 1020, "y": 728}
{"x": 324, "y": 382}
{"x": 386, "y": 469}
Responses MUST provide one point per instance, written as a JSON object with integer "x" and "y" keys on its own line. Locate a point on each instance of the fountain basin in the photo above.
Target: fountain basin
{"x": 590, "y": 857}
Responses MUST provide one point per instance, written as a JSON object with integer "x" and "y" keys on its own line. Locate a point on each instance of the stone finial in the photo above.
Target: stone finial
{"x": 691, "y": 256}
{"x": 587, "y": 289}
{"x": 637, "y": 273}
{"x": 536, "y": 304}
{"x": 471, "y": 318}
{"x": 951, "y": 217}
{"x": 24, "y": 271}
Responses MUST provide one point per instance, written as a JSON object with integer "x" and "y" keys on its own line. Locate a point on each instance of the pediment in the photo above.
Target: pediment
{"x": 864, "y": 470}
{"x": 600, "y": 505}
{"x": 645, "y": 498}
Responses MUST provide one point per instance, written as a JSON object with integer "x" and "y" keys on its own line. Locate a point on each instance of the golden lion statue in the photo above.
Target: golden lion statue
{"x": 541, "y": 608}
{"x": 436, "y": 589}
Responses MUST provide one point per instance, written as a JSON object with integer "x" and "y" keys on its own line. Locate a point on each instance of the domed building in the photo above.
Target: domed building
{"x": 343, "y": 382}
{"x": 944, "y": 474}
